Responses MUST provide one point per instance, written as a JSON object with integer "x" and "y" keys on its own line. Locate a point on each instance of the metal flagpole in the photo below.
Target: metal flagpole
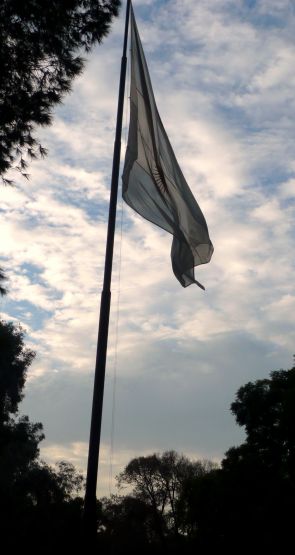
{"x": 99, "y": 378}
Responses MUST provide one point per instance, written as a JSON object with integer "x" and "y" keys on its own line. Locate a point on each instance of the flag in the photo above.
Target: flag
{"x": 153, "y": 183}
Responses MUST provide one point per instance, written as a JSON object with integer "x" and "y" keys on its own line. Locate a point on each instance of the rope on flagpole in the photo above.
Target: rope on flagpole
{"x": 115, "y": 366}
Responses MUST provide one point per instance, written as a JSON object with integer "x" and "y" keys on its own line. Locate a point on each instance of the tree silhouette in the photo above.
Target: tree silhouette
{"x": 15, "y": 360}
{"x": 40, "y": 54}
{"x": 38, "y": 504}
{"x": 258, "y": 475}
{"x": 158, "y": 481}
{"x": 266, "y": 408}
{"x": 126, "y": 525}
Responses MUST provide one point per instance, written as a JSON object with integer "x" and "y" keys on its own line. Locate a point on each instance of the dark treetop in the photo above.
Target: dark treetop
{"x": 40, "y": 54}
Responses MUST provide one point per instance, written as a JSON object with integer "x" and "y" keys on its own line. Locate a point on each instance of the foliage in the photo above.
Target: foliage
{"x": 15, "y": 360}
{"x": 19, "y": 448}
{"x": 259, "y": 475}
{"x": 158, "y": 481}
{"x": 40, "y": 54}
{"x": 68, "y": 479}
{"x": 36, "y": 500}
{"x": 267, "y": 410}
{"x": 126, "y": 525}
{"x": 39, "y": 507}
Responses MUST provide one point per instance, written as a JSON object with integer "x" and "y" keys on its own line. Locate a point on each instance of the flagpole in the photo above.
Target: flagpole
{"x": 99, "y": 377}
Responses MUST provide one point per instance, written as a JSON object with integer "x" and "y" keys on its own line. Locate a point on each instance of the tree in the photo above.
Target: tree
{"x": 40, "y": 54}
{"x": 42, "y": 505}
{"x": 259, "y": 475}
{"x": 15, "y": 360}
{"x": 267, "y": 410}
{"x": 126, "y": 525}
{"x": 158, "y": 481}
{"x": 38, "y": 503}
{"x": 201, "y": 504}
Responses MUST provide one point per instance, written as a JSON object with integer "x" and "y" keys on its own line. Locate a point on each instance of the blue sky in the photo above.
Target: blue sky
{"x": 223, "y": 76}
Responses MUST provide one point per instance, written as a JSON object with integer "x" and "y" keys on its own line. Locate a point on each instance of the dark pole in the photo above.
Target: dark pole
{"x": 95, "y": 429}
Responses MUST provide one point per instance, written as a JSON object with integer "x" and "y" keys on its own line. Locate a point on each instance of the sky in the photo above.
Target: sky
{"x": 223, "y": 73}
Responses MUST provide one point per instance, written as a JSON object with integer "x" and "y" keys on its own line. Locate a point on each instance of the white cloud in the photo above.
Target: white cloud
{"x": 287, "y": 189}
